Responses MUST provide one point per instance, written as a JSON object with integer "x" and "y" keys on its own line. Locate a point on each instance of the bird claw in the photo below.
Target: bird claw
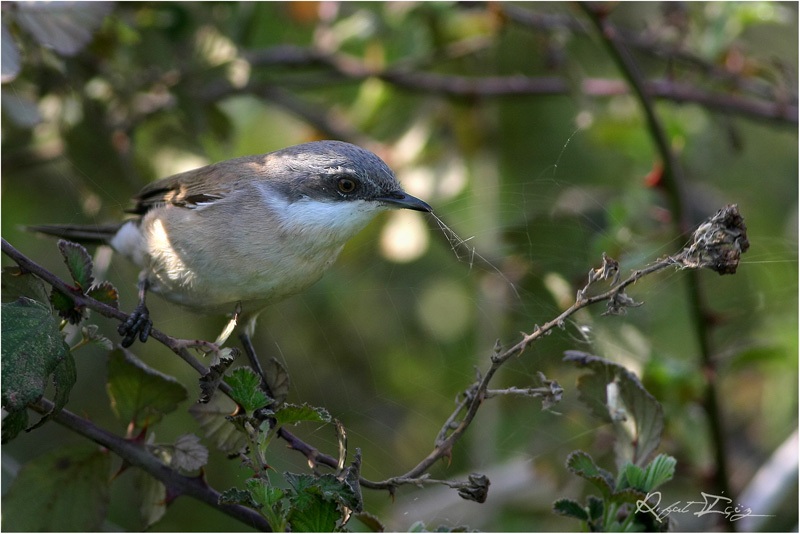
{"x": 138, "y": 323}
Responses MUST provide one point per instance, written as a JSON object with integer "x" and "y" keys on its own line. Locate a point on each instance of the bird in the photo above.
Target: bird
{"x": 247, "y": 232}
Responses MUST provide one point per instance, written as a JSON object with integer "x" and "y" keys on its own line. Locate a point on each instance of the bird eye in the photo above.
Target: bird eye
{"x": 346, "y": 185}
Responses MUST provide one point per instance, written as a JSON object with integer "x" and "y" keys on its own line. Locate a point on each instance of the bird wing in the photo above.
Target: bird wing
{"x": 198, "y": 187}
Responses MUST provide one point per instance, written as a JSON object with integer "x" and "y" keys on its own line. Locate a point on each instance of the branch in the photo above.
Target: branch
{"x": 347, "y": 69}
{"x": 178, "y": 346}
{"x": 717, "y": 244}
{"x": 135, "y": 454}
{"x": 674, "y": 186}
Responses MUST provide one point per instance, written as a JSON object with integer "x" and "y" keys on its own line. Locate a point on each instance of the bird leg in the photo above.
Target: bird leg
{"x": 139, "y": 321}
{"x": 228, "y": 330}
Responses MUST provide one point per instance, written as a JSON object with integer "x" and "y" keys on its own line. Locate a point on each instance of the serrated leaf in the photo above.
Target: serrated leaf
{"x": 596, "y": 507}
{"x": 238, "y": 496}
{"x": 309, "y": 512}
{"x": 629, "y": 496}
{"x": 631, "y": 476}
{"x": 16, "y": 283}
{"x": 246, "y": 389}
{"x": 91, "y": 334}
{"x": 187, "y": 453}
{"x": 263, "y": 493}
{"x": 138, "y": 393}
{"x": 65, "y": 306}
{"x": 32, "y": 350}
{"x": 570, "y": 508}
{"x": 277, "y": 380}
{"x": 106, "y": 293}
{"x": 327, "y": 486}
{"x": 64, "y": 377}
{"x": 78, "y": 262}
{"x": 64, "y": 490}
{"x": 659, "y": 471}
{"x": 291, "y": 414}
{"x": 637, "y": 416}
{"x": 581, "y": 464}
{"x": 209, "y": 382}
{"x": 212, "y": 419}
{"x": 153, "y": 495}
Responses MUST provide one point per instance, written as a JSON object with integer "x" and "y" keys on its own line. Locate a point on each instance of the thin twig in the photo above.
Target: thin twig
{"x": 674, "y": 185}
{"x": 717, "y": 244}
{"x": 349, "y": 69}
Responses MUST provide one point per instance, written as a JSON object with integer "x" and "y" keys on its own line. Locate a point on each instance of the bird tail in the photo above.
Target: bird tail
{"x": 88, "y": 234}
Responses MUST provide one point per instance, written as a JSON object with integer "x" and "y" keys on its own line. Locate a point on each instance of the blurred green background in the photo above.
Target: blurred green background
{"x": 540, "y": 184}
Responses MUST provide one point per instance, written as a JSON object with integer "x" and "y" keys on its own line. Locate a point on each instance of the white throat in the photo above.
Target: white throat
{"x": 330, "y": 222}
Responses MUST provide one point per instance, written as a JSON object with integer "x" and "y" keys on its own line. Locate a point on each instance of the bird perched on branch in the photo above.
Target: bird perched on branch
{"x": 247, "y": 232}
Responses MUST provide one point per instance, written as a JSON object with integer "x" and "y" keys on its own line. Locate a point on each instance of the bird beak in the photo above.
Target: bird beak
{"x": 401, "y": 199}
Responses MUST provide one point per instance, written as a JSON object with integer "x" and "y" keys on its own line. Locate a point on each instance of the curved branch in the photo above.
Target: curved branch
{"x": 674, "y": 186}
{"x": 716, "y": 244}
{"x": 136, "y": 455}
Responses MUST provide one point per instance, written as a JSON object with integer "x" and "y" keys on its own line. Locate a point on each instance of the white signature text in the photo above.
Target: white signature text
{"x": 711, "y": 504}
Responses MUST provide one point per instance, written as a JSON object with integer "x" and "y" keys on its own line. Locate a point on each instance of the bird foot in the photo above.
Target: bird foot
{"x": 138, "y": 323}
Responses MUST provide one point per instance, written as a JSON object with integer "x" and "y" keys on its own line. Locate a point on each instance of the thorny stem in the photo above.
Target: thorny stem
{"x": 136, "y": 454}
{"x": 674, "y": 186}
{"x": 717, "y": 244}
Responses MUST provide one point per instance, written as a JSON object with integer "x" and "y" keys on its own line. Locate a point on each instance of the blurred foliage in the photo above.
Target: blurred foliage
{"x": 540, "y": 183}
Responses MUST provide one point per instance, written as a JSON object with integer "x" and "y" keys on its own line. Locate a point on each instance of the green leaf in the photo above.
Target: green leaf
{"x": 65, "y": 306}
{"x": 91, "y": 334}
{"x": 263, "y": 493}
{"x": 213, "y": 420}
{"x": 570, "y": 508}
{"x": 238, "y": 496}
{"x": 17, "y": 283}
{"x": 32, "y": 350}
{"x": 595, "y": 507}
{"x": 246, "y": 389}
{"x": 311, "y": 513}
{"x": 78, "y": 262}
{"x": 64, "y": 377}
{"x": 292, "y": 414}
{"x": 616, "y": 395}
{"x": 659, "y": 471}
{"x": 632, "y": 476}
{"x": 13, "y": 424}
{"x": 326, "y": 486}
{"x": 138, "y": 393}
{"x": 106, "y": 293}
{"x": 64, "y": 490}
{"x": 581, "y": 464}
